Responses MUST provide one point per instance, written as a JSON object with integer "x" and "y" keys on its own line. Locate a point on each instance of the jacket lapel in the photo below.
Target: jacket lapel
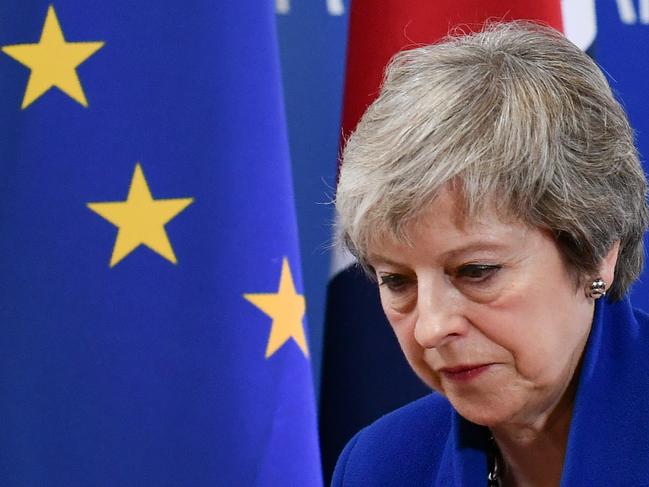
{"x": 608, "y": 443}
{"x": 464, "y": 460}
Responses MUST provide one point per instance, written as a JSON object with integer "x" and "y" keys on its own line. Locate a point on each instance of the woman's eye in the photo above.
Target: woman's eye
{"x": 477, "y": 272}
{"x": 394, "y": 282}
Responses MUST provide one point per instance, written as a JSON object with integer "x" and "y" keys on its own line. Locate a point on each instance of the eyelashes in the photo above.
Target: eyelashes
{"x": 394, "y": 282}
{"x": 477, "y": 272}
{"x": 468, "y": 274}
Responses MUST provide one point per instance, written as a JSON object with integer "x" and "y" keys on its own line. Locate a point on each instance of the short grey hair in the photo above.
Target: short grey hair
{"x": 515, "y": 117}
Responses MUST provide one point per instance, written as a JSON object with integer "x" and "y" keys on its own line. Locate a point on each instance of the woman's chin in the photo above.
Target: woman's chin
{"x": 486, "y": 413}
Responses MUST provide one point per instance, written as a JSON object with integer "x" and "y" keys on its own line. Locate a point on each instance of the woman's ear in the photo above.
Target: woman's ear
{"x": 607, "y": 266}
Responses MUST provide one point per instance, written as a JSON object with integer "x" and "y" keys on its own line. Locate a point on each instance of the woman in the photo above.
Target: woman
{"x": 494, "y": 192}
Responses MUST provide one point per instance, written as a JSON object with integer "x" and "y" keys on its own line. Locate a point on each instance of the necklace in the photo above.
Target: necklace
{"x": 493, "y": 465}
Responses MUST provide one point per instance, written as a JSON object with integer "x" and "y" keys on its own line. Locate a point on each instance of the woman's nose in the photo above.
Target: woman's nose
{"x": 439, "y": 319}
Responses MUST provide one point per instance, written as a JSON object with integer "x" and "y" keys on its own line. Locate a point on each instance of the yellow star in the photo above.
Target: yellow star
{"x": 53, "y": 61}
{"x": 286, "y": 308}
{"x": 141, "y": 219}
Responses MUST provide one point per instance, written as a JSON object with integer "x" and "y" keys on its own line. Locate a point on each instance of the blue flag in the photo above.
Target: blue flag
{"x": 621, "y": 49}
{"x": 151, "y": 313}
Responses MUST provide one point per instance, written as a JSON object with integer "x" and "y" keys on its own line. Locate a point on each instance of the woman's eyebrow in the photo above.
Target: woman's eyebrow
{"x": 375, "y": 259}
{"x": 464, "y": 248}
{"x": 476, "y": 246}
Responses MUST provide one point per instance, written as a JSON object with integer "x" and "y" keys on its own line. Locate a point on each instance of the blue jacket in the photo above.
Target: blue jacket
{"x": 427, "y": 443}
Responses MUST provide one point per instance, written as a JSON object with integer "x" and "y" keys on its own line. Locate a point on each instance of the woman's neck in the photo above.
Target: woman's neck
{"x": 534, "y": 454}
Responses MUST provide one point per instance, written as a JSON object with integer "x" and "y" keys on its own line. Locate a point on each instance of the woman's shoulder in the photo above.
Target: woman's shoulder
{"x": 403, "y": 447}
{"x": 641, "y": 316}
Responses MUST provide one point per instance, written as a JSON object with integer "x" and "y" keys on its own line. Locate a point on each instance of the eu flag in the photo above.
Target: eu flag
{"x": 151, "y": 315}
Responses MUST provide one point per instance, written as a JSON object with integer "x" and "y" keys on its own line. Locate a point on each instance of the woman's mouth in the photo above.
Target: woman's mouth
{"x": 464, "y": 373}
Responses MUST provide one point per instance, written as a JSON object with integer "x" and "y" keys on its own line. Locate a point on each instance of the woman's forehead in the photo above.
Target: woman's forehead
{"x": 444, "y": 229}
{"x": 452, "y": 208}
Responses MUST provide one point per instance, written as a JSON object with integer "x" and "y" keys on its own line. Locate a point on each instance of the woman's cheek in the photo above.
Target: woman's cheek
{"x": 415, "y": 354}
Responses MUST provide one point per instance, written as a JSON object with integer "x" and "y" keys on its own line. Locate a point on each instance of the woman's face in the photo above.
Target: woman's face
{"x": 486, "y": 313}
